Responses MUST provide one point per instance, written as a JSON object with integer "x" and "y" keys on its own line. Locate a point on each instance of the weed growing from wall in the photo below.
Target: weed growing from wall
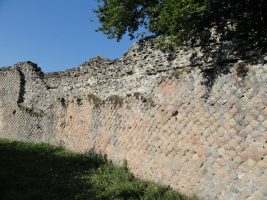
{"x": 116, "y": 100}
{"x": 96, "y": 100}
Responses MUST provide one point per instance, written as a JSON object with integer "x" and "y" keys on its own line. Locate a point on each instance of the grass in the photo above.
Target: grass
{"x": 30, "y": 171}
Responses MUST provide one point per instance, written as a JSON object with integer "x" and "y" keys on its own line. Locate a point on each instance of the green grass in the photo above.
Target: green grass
{"x": 44, "y": 172}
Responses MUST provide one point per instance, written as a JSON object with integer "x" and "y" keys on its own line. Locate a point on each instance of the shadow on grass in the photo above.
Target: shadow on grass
{"x": 44, "y": 172}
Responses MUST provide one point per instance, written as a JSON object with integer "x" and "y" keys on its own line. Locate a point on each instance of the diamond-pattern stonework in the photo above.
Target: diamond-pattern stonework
{"x": 200, "y": 138}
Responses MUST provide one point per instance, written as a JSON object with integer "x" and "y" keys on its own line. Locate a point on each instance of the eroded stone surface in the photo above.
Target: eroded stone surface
{"x": 201, "y": 129}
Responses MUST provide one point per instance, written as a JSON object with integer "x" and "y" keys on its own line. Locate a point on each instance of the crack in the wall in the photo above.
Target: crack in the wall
{"x": 21, "y": 88}
{"x": 21, "y": 98}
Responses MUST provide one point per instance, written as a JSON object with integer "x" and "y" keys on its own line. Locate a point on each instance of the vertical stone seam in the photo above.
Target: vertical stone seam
{"x": 21, "y": 88}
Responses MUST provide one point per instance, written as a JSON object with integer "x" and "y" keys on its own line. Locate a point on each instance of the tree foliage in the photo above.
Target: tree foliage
{"x": 184, "y": 20}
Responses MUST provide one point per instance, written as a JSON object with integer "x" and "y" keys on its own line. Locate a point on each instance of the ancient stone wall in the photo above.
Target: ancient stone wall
{"x": 195, "y": 119}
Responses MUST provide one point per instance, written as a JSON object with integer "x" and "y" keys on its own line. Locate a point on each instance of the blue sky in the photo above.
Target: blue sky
{"x": 55, "y": 34}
